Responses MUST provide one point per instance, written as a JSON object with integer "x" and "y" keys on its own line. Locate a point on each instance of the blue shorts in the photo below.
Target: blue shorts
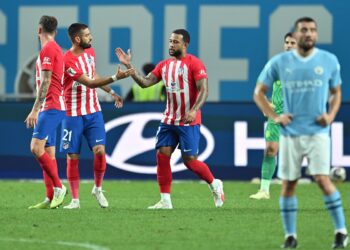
{"x": 91, "y": 126}
{"x": 187, "y": 137}
{"x": 47, "y": 124}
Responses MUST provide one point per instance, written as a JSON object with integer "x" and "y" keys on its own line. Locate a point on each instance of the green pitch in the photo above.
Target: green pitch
{"x": 194, "y": 223}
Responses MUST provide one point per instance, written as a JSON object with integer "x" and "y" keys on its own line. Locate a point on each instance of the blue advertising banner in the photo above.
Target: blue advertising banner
{"x": 234, "y": 38}
{"x": 232, "y": 142}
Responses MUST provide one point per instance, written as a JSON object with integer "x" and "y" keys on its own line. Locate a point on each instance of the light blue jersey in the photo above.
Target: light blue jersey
{"x": 306, "y": 83}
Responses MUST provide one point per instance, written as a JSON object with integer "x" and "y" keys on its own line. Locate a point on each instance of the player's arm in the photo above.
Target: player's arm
{"x": 202, "y": 86}
{"x": 142, "y": 81}
{"x": 334, "y": 105}
{"x": 263, "y": 104}
{"x": 32, "y": 118}
{"x": 118, "y": 101}
{"x": 101, "y": 81}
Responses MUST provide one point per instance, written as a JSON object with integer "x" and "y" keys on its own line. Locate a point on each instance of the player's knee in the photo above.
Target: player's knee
{"x": 99, "y": 150}
{"x": 187, "y": 158}
{"x": 36, "y": 149}
{"x": 271, "y": 151}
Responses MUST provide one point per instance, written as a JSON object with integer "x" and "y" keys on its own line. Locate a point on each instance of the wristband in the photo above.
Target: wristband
{"x": 114, "y": 78}
{"x": 111, "y": 92}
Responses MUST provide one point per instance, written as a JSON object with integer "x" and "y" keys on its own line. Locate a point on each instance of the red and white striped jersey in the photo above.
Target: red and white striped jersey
{"x": 80, "y": 100}
{"x": 51, "y": 59}
{"x": 179, "y": 77}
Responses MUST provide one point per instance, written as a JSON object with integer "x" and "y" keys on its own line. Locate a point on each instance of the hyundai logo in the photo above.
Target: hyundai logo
{"x": 131, "y": 143}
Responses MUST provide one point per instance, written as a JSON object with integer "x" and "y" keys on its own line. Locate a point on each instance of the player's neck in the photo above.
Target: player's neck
{"x": 180, "y": 57}
{"x": 76, "y": 50}
{"x": 305, "y": 53}
{"x": 44, "y": 39}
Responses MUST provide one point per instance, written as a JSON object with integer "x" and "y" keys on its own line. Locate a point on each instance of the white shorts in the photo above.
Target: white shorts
{"x": 292, "y": 150}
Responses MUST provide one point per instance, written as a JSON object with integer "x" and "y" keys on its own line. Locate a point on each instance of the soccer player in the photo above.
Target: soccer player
{"x": 272, "y": 132}
{"x": 309, "y": 76}
{"x": 48, "y": 111}
{"x": 84, "y": 116}
{"x": 186, "y": 82}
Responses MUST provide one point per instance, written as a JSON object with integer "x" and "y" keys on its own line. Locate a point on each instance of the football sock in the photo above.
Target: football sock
{"x": 288, "y": 206}
{"x": 335, "y": 208}
{"x": 73, "y": 177}
{"x": 164, "y": 175}
{"x": 48, "y": 186}
{"x": 201, "y": 169}
{"x": 165, "y": 197}
{"x": 267, "y": 170}
{"x": 99, "y": 168}
{"x": 50, "y": 168}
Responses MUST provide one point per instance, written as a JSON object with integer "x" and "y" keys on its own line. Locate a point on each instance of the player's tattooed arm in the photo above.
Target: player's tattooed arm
{"x": 142, "y": 81}
{"x": 202, "y": 86}
{"x": 32, "y": 118}
{"x": 334, "y": 104}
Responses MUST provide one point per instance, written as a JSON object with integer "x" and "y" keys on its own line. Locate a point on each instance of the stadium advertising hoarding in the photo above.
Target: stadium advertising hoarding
{"x": 231, "y": 142}
{"x": 233, "y": 38}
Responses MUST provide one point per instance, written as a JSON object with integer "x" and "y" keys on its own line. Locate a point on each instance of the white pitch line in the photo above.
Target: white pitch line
{"x": 65, "y": 243}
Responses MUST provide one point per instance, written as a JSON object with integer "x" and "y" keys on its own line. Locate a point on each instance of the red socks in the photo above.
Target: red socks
{"x": 201, "y": 169}
{"x": 48, "y": 185}
{"x": 73, "y": 177}
{"x": 50, "y": 167}
{"x": 99, "y": 169}
{"x": 164, "y": 175}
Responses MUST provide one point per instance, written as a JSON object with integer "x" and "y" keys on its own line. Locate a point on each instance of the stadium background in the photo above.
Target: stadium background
{"x": 234, "y": 39}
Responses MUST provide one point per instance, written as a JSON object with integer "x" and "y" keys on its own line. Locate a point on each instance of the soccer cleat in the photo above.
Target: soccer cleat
{"x": 217, "y": 189}
{"x": 260, "y": 195}
{"x": 101, "y": 199}
{"x": 162, "y": 204}
{"x": 341, "y": 241}
{"x": 42, "y": 205}
{"x": 74, "y": 204}
{"x": 58, "y": 196}
{"x": 290, "y": 242}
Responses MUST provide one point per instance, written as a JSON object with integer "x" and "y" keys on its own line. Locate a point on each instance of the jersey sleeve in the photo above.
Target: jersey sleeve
{"x": 199, "y": 70}
{"x": 47, "y": 58}
{"x": 72, "y": 69}
{"x": 269, "y": 74}
{"x": 157, "y": 72}
{"x": 335, "y": 79}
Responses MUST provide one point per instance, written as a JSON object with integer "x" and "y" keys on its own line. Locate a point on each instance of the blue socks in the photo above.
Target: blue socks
{"x": 288, "y": 206}
{"x": 335, "y": 209}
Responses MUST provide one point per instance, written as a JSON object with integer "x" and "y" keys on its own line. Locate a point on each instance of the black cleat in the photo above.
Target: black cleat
{"x": 290, "y": 242}
{"x": 341, "y": 241}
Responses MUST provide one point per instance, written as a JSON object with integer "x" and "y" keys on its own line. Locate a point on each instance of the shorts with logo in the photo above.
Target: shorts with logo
{"x": 187, "y": 137}
{"x": 316, "y": 149}
{"x": 91, "y": 126}
{"x": 272, "y": 131}
{"x": 47, "y": 124}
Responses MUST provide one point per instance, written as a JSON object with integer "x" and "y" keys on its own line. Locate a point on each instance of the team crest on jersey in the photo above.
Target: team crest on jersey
{"x": 202, "y": 72}
{"x": 71, "y": 71}
{"x": 318, "y": 70}
{"x": 180, "y": 71}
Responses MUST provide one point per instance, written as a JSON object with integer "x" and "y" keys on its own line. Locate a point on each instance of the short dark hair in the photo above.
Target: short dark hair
{"x": 48, "y": 23}
{"x": 147, "y": 68}
{"x": 75, "y": 28}
{"x": 303, "y": 19}
{"x": 289, "y": 34}
{"x": 185, "y": 35}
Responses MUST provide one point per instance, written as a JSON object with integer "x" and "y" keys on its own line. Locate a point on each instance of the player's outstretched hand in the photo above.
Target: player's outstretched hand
{"x": 118, "y": 101}
{"x": 324, "y": 120}
{"x": 32, "y": 119}
{"x": 123, "y": 74}
{"x": 123, "y": 57}
{"x": 283, "y": 119}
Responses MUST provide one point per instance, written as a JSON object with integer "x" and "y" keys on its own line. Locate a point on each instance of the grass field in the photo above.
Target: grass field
{"x": 194, "y": 223}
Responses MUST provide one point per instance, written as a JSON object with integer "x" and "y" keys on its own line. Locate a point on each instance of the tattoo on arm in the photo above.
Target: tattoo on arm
{"x": 144, "y": 81}
{"x": 202, "y": 86}
{"x": 44, "y": 86}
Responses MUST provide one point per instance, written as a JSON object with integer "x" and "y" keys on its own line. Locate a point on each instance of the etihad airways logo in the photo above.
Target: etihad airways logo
{"x": 132, "y": 143}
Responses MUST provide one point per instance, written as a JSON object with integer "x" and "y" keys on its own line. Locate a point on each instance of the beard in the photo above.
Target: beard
{"x": 84, "y": 45}
{"x": 306, "y": 46}
{"x": 175, "y": 53}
